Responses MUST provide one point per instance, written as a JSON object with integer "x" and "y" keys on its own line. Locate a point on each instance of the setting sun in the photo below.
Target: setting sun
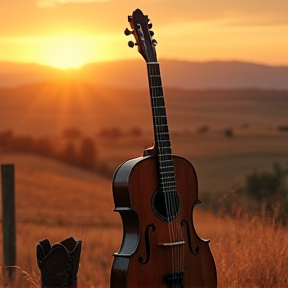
{"x": 66, "y": 52}
{"x": 65, "y": 56}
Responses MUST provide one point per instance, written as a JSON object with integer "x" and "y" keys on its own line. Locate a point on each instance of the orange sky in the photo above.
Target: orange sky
{"x": 65, "y": 33}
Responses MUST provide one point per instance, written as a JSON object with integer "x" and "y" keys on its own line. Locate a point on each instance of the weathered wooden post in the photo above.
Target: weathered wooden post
{"x": 8, "y": 221}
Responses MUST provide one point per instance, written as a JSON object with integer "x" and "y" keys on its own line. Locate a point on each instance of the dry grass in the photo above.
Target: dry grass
{"x": 249, "y": 252}
{"x": 56, "y": 201}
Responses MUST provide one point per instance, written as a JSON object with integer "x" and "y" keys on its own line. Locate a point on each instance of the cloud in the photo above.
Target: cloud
{"x": 53, "y": 3}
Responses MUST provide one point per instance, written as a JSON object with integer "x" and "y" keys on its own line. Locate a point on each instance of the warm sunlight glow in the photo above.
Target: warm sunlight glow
{"x": 71, "y": 33}
{"x": 66, "y": 51}
{"x": 65, "y": 56}
{"x": 74, "y": 52}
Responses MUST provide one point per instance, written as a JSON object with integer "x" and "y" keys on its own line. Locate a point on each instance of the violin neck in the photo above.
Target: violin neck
{"x": 161, "y": 131}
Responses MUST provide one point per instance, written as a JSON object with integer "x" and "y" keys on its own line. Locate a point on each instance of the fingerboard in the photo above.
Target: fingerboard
{"x": 161, "y": 132}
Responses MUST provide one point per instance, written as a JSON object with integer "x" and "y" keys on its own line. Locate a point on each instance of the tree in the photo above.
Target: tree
{"x": 45, "y": 147}
{"x": 87, "y": 154}
{"x": 6, "y": 140}
{"x": 68, "y": 154}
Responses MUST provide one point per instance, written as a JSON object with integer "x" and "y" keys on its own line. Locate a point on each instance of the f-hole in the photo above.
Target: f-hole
{"x": 196, "y": 251}
{"x": 147, "y": 245}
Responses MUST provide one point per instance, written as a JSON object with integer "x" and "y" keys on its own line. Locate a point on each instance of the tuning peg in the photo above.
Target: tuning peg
{"x": 154, "y": 42}
{"x": 131, "y": 44}
{"x": 129, "y": 18}
{"x": 151, "y": 33}
{"x": 150, "y": 25}
{"x": 127, "y": 32}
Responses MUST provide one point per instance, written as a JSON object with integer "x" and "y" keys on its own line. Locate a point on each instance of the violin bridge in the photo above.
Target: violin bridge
{"x": 173, "y": 243}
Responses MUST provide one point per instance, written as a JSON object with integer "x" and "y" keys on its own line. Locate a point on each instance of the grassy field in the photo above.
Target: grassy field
{"x": 221, "y": 163}
{"x": 56, "y": 201}
{"x": 46, "y": 109}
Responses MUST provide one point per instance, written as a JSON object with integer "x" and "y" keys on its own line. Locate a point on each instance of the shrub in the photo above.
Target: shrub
{"x": 135, "y": 131}
{"x": 228, "y": 133}
{"x": 203, "y": 129}
{"x": 270, "y": 188}
{"x": 283, "y": 128}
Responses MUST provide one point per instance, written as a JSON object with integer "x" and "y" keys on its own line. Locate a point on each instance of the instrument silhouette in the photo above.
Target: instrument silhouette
{"x": 155, "y": 195}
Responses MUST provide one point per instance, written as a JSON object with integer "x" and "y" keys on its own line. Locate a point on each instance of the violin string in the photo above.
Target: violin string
{"x": 155, "y": 94}
{"x": 171, "y": 196}
{"x": 173, "y": 201}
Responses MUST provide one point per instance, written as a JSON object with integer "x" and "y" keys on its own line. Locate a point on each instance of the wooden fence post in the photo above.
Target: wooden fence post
{"x": 8, "y": 221}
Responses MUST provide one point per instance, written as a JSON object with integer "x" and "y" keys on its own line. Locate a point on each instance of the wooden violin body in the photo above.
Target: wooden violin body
{"x": 143, "y": 260}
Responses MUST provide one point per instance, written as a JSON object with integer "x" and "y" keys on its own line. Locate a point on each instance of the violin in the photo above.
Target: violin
{"x": 155, "y": 195}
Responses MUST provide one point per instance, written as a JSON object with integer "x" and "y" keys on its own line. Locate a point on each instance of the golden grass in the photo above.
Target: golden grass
{"x": 249, "y": 252}
{"x": 56, "y": 201}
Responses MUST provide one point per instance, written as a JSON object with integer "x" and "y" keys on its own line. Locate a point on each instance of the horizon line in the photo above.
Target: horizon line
{"x": 7, "y": 62}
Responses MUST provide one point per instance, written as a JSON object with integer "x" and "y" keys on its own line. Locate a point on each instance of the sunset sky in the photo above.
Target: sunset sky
{"x": 69, "y": 33}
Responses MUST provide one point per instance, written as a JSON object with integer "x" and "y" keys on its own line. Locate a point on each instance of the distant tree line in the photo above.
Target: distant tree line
{"x": 83, "y": 155}
{"x": 75, "y": 149}
{"x": 116, "y": 132}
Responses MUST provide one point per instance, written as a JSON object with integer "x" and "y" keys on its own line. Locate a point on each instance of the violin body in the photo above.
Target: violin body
{"x": 143, "y": 260}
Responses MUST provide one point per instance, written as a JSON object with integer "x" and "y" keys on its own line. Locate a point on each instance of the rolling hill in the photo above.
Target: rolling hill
{"x": 132, "y": 74}
{"x": 48, "y": 108}
{"x": 253, "y": 115}
{"x": 45, "y": 188}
